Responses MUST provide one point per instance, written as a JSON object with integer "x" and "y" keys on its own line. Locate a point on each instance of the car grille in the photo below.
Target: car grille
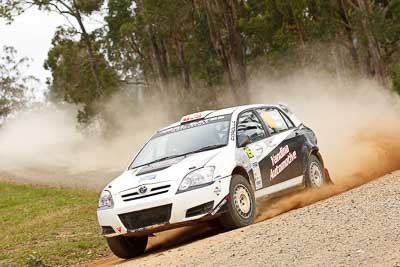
{"x": 152, "y": 190}
{"x": 143, "y": 218}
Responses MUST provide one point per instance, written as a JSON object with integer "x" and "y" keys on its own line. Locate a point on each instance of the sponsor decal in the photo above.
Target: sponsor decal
{"x": 191, "y": 117}
{"x": 233, "y": 130}
{"x": 217, "y": 190}
{"x": 219, "y": 206}
{"x": 288, "y": 156}
{"x": 257, "y": 178}
{"x": 259, "y": 149}
{"x": 256, "y": 172}
{"x": 193, "y": 124}
{"x": 249, "y": 152}
{"x": 283, "y": 151}
{"x": 147, "y": 178}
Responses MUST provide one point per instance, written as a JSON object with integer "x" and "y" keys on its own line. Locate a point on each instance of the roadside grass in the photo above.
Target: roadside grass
{"x": 43, "y": 226}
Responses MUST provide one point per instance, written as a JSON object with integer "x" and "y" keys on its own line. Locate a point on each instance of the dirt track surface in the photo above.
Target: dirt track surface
{"x": 358, "y": 227}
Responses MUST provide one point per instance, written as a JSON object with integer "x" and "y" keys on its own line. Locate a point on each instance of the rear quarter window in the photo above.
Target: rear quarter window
{"x": 275, "y": 121}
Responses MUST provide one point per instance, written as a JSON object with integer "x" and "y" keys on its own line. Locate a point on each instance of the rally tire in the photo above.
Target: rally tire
{"x": 315, "y": 173}
{"x": 241, "y": 205}
{"x": 127, "y": 247}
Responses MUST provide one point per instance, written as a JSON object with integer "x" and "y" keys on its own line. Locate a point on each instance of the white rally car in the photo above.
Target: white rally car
{"x": 212, "y": 164}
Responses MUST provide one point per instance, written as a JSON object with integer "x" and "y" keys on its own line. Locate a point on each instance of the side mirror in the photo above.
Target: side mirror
{"x": 243, "y": 140}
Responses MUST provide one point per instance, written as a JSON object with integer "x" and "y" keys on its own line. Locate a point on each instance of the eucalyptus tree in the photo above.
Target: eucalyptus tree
{"x": 72, "y": 79}
{"x": 73, "y": 10}
{"x": 80, "y": 72}
{"x": 15, "y": 86}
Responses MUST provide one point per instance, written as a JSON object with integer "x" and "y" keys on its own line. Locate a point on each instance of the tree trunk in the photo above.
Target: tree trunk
{"x": 157, "y": 62}
{"x": 349, "y": 34}
{"x": 164, "y": 53}
{"x": 92, "y": 54}
{"x": 236, "y": 54}
{"x": 299, "y": 25}
{"x": 220, "y": 50}
{"x": 377, "y": 66}
{"x": 144, "y": 59}
{"x": 184, "y": 67}
{"x": 160, "y": 59}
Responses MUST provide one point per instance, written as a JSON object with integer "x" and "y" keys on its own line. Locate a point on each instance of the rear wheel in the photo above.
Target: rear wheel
{"x": 241, "y": 206}
{"x": 127, "y": 247}
{"x": 315, "y": 174}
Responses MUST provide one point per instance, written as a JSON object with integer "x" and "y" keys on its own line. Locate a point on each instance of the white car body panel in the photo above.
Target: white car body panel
{"x": 224, "y": 159}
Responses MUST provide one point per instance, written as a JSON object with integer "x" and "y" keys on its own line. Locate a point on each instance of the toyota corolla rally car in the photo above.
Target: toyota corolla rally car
{"x": 212, "y": 164}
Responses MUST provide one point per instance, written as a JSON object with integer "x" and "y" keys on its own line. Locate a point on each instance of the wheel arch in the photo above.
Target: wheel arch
{"x": 248, "y": 175}
{"x": 315, "y": 151}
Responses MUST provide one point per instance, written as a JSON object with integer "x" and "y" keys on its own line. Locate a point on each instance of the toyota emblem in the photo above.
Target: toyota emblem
{"x": 142, "y": 189}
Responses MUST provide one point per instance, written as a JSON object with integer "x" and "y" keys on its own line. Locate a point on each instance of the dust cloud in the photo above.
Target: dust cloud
{"x": 355, "y": 119}
{"x": 44, "y": 145}
{"x": 357, "y": 125}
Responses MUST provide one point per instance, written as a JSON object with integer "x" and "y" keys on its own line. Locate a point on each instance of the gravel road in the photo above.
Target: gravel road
{"x": 358, "y": 227}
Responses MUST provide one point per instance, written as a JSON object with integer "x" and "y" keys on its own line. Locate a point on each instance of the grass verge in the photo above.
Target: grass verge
{"x": 42, "y": 226}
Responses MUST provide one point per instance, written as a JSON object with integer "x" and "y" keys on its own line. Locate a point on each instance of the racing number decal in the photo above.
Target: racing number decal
{"x": 249, "y": 152}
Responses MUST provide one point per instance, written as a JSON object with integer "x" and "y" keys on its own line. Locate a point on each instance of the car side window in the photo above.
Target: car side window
{"x": 249, "y": 124}
{"x": 288, "y": 122}
{"x": 273, "y": 119}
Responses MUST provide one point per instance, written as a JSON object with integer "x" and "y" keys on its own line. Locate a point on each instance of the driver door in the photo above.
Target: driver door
{"x": 249, "y": 124}
{"x": 284, "y": 160}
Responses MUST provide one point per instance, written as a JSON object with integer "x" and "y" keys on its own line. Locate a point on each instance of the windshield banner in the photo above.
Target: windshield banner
{"x": 193, "y": 124}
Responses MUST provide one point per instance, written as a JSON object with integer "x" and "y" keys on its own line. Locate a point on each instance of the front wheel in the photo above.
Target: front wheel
{"x": 315, "y": 173}
{"x": 241, "y": 206}
{"x": 127, "y": 247}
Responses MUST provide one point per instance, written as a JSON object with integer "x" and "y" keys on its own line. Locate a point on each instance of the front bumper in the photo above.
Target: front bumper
{"x": 164, "y": 211}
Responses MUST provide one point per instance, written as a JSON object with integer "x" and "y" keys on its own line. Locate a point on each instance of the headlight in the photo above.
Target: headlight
{"x": 106, "y": 200}
{"x": 198, "y": 178}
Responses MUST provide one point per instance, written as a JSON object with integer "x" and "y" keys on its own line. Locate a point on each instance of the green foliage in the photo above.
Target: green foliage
{"x": 34, "y": 261}
{"x": 88, "y": 6}
{"x": 198, "y": 46}
{"x": 72, "y": 76}
{"x": 124, "y": 42}
{"x": 9, "y": 9}
{"x": 14, "y": 84}
{"x": 394, "y": 72}
{"x": 80, "y": 73}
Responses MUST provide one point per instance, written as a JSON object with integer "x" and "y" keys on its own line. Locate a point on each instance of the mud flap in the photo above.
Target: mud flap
{"x": 221, "y": 207}
{"x": 327, "y": 176}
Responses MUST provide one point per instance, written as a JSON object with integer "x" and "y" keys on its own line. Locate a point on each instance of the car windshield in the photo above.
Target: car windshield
{"x": 184, "y": 139}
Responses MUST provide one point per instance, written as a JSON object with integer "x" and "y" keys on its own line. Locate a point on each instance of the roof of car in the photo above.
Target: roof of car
{"x": 219, "y": 112}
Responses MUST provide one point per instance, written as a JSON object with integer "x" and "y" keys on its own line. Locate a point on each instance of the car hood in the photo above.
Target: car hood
{"x": 172, "y": 170}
